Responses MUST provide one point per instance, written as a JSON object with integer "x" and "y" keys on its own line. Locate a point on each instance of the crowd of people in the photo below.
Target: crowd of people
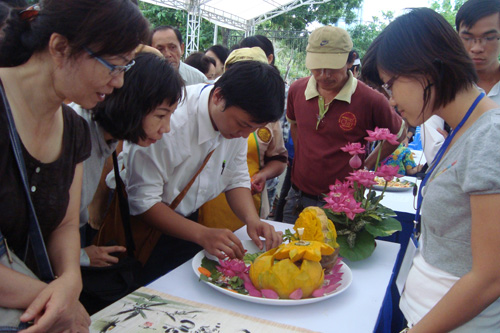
{"x": 200, "y": 146}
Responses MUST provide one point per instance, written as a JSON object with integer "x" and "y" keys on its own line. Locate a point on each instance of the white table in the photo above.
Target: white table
{"x": 354, "y": 310}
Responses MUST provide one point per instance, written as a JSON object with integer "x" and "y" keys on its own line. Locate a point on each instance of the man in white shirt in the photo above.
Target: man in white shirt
{"x": 478, "y": 25}
{"x": 220, "y": 118}
{"x": 168, "y": 40}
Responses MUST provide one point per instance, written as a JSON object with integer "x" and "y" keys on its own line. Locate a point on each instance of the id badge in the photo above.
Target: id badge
{"x": 404, "y": 270}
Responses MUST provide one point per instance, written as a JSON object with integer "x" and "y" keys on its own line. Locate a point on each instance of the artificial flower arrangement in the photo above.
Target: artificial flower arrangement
{"x": 355, "y": 208}
{"x": 306, "y": 266}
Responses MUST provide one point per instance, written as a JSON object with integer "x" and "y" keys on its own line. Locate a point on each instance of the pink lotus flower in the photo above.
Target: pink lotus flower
{"x": 344, "y": 188}
{"x": 355, "y": 162}
{"x": 380, "y": 134}
{"x": 363, "y": 177}
{"x": 353, "y": 148}
{"x": 387, "y": 172}
{"x": 343, "y": 204}
{"x": 232, "y": 267}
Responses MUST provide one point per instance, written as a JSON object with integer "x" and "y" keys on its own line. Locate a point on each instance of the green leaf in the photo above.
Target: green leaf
{"x": 363, "y": 247}
{"x": 336, "y": 218}
{"x": 384, "y": 228}
{"x": 211, "y": 265}
{"x": 375, "y": 216}
{"x": 249, "y": 258}
{"x": 385, "y": 211}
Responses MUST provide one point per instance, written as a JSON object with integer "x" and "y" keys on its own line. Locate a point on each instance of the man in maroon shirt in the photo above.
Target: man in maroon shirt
{"x": 326, "y": 111}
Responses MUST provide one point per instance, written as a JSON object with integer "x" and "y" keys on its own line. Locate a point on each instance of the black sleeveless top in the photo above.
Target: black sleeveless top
{"x": 49, "y": 183}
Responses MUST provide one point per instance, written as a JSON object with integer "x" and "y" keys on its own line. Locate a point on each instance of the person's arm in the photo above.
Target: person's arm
{"x": 241, "y": 202}
{"x": 480, "y": 287}
{"x": 272, "y": 169}
{"x": 215, "y": 241}
{"x": 56, "y": 307}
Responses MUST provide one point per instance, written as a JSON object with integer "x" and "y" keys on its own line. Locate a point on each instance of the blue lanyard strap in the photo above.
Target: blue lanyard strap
{"x": 436, "y": 161}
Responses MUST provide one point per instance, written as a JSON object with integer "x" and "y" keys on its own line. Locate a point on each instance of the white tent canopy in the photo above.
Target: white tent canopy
{"x": 233, "y": 14}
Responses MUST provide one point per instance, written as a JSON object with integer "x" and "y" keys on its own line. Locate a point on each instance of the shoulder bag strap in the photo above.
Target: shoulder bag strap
{"x": 124, "y": 208}
{"x": 181, "y": 195}
{"x": 35, "y": 234}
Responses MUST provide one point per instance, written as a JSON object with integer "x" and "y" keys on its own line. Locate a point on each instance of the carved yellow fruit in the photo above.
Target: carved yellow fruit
{"x": 316, "y": 226}
{"x": 290, "y": 267}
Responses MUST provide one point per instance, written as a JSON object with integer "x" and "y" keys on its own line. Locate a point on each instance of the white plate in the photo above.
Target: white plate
{"x": 395, "y": 189}
{"x": 252, "y": 248}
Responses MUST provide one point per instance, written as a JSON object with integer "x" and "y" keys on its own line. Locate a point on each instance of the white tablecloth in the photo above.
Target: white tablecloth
{"x": 354, "y": 310}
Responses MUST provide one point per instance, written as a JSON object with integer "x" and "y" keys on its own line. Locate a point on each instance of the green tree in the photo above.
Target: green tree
{"x": 158, "y": 15}
{"x": 448, "y": 9}
{"x": 325, "y": 13}
{"x": 362, "y": 35}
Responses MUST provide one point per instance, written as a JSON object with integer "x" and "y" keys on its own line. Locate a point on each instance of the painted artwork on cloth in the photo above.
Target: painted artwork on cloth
{"x": 148, "y": 310}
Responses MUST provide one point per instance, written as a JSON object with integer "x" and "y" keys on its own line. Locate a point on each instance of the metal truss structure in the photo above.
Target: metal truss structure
{"x": 198, "y": 9}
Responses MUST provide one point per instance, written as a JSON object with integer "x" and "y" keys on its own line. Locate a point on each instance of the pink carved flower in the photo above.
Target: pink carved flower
{"x": 353, "y": 148}
{"x": 387, "y": 172}
{"x": 363, "y": 177}
{"x": 232, "y": 267}
{"x": 343, "y": 204}
{"x": 380, "y": 134}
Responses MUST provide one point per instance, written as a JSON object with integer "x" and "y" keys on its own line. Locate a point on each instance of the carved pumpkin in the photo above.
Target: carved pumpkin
{"x": 318, "y": 227}
{"x": 289, "y": 267}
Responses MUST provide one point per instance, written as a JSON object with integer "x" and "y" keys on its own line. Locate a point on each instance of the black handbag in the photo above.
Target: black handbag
{"x": 105, "y": 285}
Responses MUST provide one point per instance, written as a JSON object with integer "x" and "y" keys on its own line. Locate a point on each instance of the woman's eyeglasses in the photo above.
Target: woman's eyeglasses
{"x": 388, "y": 85}
{"x": 114, "y": 70}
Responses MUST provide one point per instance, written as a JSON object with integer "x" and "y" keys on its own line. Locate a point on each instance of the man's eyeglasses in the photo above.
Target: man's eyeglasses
{"x": 470, "y": 40}
{"x": 114, "y": 70}
{"x": 388, "y": 85}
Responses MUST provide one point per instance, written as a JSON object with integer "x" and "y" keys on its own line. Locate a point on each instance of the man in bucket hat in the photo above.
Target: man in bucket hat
{"x": 326, "y": 111}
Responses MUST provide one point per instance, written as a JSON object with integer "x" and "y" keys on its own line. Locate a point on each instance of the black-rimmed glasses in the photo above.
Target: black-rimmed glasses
{"x": 388, "y": 85}
{"x": 114, "y": 70}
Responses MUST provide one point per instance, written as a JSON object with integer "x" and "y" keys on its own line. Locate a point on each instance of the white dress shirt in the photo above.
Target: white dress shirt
{"x": 191, "y": 75}
{"x": 160, "y": 172}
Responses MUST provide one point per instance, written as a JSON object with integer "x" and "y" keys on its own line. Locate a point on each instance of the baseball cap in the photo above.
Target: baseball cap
{"x": 328, "y": 47}
{"x": 246, "y": 53}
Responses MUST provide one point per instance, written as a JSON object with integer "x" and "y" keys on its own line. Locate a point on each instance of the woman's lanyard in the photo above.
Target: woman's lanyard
{"x": 435, "y": 162}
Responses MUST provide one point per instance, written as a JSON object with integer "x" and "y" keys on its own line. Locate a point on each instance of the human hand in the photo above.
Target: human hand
{"x": 222, "y": 243}
{"x": 57, "y": 309}
{"x": 259, "y": 229}
{"x": 100, "y": 256}
{"x": 257, "y": 182}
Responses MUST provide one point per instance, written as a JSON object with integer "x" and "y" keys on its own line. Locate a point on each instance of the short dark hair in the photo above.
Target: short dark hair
{"x": 166, "y": 27}
{"x": 110, "y": 27}
{"x": 422, "y": 43}
{"x": 200, "y": 61}
{"x": 150, "y": 82}
{"x": 256, "y": 88}
{"x": 474, "y": 10}
{"x": 220, "y": 51}
{"x": 260, "y": 41}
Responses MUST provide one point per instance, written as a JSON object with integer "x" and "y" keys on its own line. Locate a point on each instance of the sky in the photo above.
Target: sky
{"x": 375, "y": 7}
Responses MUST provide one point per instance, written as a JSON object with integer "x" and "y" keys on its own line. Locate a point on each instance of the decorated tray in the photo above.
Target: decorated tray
{"x": 341, "y": 270}
{"x": 396, "y": 185}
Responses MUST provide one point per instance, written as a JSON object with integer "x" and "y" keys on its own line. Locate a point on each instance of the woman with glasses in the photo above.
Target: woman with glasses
{"x": 454, "y": 281}
{"x": 58, "y": 50}
{"x": 138, "y": 112}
